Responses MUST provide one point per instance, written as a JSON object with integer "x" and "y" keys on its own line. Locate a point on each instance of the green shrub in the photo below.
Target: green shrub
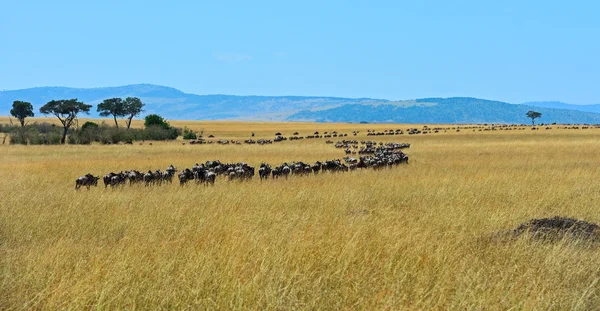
{"x": 189, "y": 134}
{"x": 17, "y": 138}
{"x": 156, "y": 120}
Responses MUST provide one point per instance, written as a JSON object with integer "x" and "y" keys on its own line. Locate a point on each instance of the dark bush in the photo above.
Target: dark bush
{"x": 89, "y": 126}
{"x": 44, "y": 133}
{"x": 156, "y": 120}
{"x": 156, "y": 132}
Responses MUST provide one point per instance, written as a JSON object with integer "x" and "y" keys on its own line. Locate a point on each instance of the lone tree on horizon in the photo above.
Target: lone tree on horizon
{"x": 533, "y": 115}
{"x": 66, "y": 111}
{"x": 21, "y": 110}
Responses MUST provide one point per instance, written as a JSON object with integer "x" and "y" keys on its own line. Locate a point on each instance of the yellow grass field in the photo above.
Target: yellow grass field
{"x": 411, "y": 237}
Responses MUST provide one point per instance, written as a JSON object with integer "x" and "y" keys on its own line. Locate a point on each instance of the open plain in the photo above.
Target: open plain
{"x": 414, "y": 236}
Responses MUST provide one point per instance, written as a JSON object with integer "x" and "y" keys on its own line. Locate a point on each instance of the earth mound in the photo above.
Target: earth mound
{"x": 555, "y": 229}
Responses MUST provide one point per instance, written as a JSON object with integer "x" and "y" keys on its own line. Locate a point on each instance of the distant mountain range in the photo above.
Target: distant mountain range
{"x": 174, "y": 104}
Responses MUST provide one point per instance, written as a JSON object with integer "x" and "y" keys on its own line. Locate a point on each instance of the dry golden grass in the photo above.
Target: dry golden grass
{"x": 412, "y": 237}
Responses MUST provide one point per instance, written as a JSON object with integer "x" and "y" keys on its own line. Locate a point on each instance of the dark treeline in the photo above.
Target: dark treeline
{"x": 51, "y": 134}
{"x": 67, "y": 112}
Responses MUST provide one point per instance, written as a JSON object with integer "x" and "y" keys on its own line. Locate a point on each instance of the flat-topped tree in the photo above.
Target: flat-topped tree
{"x": 533, "y": 115}
{"x": 66, "y": 111}
{"x": 112, "y": 107}
{"x": 132, "y": 107}
{"x": 21, "y": 110}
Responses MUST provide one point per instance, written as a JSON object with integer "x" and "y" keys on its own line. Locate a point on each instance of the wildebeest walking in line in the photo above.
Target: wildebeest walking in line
{"x": 200, "y": 173}
{"x": 184, "y": 176}
{"x": 114, "y": 179}
{"x": 282, "y": 170}
{"x": 241, "y": 171}
{"x": 383, "y": 155}
{"x": 87, "y": 180}
{"x": 264, "y": 171}
{"x": 203, "y": 174}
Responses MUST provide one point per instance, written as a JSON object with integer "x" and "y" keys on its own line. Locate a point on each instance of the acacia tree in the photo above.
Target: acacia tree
{"x": 112, "y": 107}
{"x": 533, "y": 115}
{"x": 132, "y": 106}
{"x": 66, "y": 111}
{"x": 21, "y": 110}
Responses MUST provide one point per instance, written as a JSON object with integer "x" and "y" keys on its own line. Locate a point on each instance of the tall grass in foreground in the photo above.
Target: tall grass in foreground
{"x": 412, "y": 237}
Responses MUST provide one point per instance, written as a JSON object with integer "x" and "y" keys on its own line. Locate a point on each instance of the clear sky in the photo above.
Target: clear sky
{"x": 514, "y": 51}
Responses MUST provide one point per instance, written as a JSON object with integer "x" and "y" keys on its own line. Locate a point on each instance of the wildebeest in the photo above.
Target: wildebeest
{"x": 264, "y": 171}
{"x": 185, "y": 176}
{"x": 374, "y": 155}
{"x": 117, "y": 179}
{"x": 240, "y": 171}
{"x": 148, "y": 178}
{"x": 204, "y": 173}
{"x": 107, "y": 179}
{"x": 316, "y": 167}
{"x": 87, "y": 180}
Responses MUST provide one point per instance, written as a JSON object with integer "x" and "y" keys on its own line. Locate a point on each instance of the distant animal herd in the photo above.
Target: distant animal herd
{"x": 373, "y": 156}
{"x": 279, "y": 137}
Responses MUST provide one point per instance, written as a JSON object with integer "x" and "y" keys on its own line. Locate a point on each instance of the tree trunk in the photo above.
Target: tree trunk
{"x": 22, "y": 122}
{"x": 116, "y": 124}
{"x": 64, "y": 135}
{"x": 23, "y": 138}
{"x": 129, "y": 122}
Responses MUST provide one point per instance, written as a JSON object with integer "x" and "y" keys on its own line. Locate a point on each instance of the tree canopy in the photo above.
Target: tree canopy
{"x": 66, "y": 110}
{"x": 132, "y": 106}
{"x": 533, "y": 115}
{"x": 21, "y": 110}
{"x": 112, "y": 107}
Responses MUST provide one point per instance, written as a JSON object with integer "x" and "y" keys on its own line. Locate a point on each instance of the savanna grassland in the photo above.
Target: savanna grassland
{"x": 412, "y": 237}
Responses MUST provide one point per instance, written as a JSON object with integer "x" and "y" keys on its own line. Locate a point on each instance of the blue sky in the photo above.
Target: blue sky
{"x": 514, "y": 51}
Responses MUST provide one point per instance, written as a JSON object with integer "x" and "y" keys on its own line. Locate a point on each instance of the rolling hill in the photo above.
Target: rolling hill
{"x": 174, "y": 104}
{"x": 445, "y": 110}
{"x": 561, "y": 105}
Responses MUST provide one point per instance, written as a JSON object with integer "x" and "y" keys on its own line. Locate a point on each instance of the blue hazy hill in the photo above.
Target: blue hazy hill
{"x": 174, "y": 104}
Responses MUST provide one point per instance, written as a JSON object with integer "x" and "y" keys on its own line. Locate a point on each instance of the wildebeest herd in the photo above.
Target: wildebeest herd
{"x": 374, "y": 156}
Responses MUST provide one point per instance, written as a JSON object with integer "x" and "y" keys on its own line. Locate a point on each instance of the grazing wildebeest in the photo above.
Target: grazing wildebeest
{"x": 87, "y": 181}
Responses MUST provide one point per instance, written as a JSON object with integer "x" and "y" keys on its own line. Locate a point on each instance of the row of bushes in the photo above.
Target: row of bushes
{"x": 50, "y": 134}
